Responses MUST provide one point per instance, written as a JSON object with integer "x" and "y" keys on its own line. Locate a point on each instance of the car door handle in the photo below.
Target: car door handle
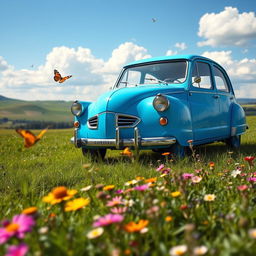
{"x": 215, "y": 96}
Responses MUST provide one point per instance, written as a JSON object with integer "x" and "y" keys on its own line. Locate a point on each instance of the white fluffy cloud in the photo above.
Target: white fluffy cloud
{"x": 91, "y": 76}
{"x": 241, "y": 72}
{"x": 228, "y": 27}
{"x": 180, "y": 47}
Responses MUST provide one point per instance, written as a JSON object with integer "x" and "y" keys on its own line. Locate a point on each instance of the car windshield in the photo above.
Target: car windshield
{"x": 164, "y": 73}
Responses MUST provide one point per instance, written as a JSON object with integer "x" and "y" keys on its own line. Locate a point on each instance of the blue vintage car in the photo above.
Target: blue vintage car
{"x": 160, "y": 104}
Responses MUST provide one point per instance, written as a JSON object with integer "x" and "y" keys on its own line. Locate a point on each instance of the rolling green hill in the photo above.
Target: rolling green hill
{"x": 54, "y": 111}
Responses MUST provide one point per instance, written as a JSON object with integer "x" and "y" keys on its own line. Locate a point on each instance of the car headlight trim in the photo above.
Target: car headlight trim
{"x": 76, "y": 108}
{"x": 161, "y": 103}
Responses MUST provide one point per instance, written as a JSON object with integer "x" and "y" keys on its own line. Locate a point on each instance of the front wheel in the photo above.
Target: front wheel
{"x": 95, "y": 154}
{"x": 234, "y": 141}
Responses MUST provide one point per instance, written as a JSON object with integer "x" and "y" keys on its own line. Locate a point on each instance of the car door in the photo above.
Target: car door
{"x": 204, "y": 103}
{"x": 226, "y": 97}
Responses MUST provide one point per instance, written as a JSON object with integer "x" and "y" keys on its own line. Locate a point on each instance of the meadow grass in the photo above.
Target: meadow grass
{"x": 224, "y": 226}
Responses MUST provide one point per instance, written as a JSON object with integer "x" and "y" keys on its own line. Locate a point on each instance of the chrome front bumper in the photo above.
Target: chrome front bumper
{"x": 119, "y": 143}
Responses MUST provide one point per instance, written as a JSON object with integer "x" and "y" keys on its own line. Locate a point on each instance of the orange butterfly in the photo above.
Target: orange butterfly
{"x": 29, "y": 138}
{"x": 126, "y": 152}
{"x": 59, "y": 78}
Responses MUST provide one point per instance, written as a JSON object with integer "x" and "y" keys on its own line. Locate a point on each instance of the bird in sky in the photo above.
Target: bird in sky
{"x": 58, "y": 78}
{"x": 154, "y": 19}
{"x": 30, "y": 138}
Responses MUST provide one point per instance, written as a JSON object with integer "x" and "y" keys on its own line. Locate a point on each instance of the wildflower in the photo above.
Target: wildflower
{"x": 119, "y": 191}
{"x": 95, "y": 233}
{"x": 87, "y": 188}
{"x": 19, "y": 225}
{"x": 178, "y": 250}
{"x": 129, "y": 203}
{"x": 59, "y": 194}
{"x": 153, "y": 211}
{"x": 131, "y": 182}
{"x": 30, "y": 211}
{"x": 236, "y": 172}
{"x": 183, "y": 207}
{"x": 242, "y": 187}
{"x": 136, "y": 227}
{"x": 160, "y": 167}
{"x": 108, "y": 219}
{"x": 108, "y": 187}
{"x": 253, "y": 179}
{"x": 115, "y": 201}
{"x": 43, "y": 230}
{"x": 99, "y": 186}
{"x": 168, "y": 218}
{"x": 86, "y": 166}
{"x": 250, "y": 159}
{"x": 138, "y": 178}
{"x": 102, "y": 195}
{"x": 166, "y": 153}
{"x": 176, "y": 194}
{"x": 142, "y": 187}
{"x": 211, "y": 165}
{"x": 209, "y": 197}
{"x": 187, "y": 176}
{"x": 76, "y": 204}
{"x": 118, "y": 210}
{"x": 150, "y": 180}
{"x": 127, "y": 252}
{"x": 196, "y": 179}
{"x": 126, "y": 152}
{"x": 17, "y": 250}
{"x": 252, "y": 233}
{"x": 200, "y": 250}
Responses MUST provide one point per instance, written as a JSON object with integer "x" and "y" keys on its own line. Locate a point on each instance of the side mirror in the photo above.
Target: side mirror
{"x": 197, "y": 80}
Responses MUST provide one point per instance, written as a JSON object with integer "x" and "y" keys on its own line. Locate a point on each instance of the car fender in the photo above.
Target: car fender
{"x": 179, "y": 119}
{"x": 238, "y": 120}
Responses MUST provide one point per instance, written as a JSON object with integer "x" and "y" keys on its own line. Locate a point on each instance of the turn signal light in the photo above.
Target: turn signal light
{"x": 163, "y": 121}
{"x": 76, "y": 124}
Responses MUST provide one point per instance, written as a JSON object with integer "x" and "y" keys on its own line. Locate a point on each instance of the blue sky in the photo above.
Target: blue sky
{"x": 94, "y": 39}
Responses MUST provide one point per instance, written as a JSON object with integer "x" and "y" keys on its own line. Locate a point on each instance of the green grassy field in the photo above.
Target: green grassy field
{"x": 225, "y": 226}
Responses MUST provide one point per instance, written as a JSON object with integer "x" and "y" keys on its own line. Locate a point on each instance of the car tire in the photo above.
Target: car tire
{"x": 234, "y": 141}
{"x": 95, "y": 154}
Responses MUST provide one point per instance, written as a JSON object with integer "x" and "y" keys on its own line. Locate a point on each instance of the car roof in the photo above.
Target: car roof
{"x": 166, "y": 58}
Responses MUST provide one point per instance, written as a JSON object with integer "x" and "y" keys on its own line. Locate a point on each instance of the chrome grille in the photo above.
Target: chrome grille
{"x": 93, "y": 122}
{"x": 127, "y": 121}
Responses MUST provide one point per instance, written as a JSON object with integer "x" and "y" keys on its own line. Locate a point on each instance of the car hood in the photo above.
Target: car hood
{"x": 120, "y": 100}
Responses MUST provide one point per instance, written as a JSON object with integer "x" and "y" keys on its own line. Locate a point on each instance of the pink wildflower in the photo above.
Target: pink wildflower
{"x": 187, "y": 176}
{"x": 253, "y": 179}
{"x": 115, "y": 201}
{"x": 17, "y": 250}
{"x": 118, "y": 210}
{"x": 142, "y": 187}
{"x": 196, "y": 179}
{"x": 242, "y": 187}
{"x": 108, "y": 219}
{"x": 19, "y": 225}
{"x": 160, "y": 167}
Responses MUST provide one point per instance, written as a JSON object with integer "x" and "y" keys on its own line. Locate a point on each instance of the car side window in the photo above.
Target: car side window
{"x": 220, "y": 80}
{"x": 202, "y": 70}
{"x": 130, "y": 78}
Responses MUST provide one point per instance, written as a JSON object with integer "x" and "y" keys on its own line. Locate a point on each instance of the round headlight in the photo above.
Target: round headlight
{"x": 76, "y": 108}
{"x": 161, "y": 103}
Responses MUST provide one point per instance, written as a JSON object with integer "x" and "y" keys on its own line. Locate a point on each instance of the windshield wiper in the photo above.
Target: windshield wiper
{"x": 157, "y": 80}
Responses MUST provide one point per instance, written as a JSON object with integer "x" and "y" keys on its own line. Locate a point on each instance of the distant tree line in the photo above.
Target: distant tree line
{"x": 30, "y": 124}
